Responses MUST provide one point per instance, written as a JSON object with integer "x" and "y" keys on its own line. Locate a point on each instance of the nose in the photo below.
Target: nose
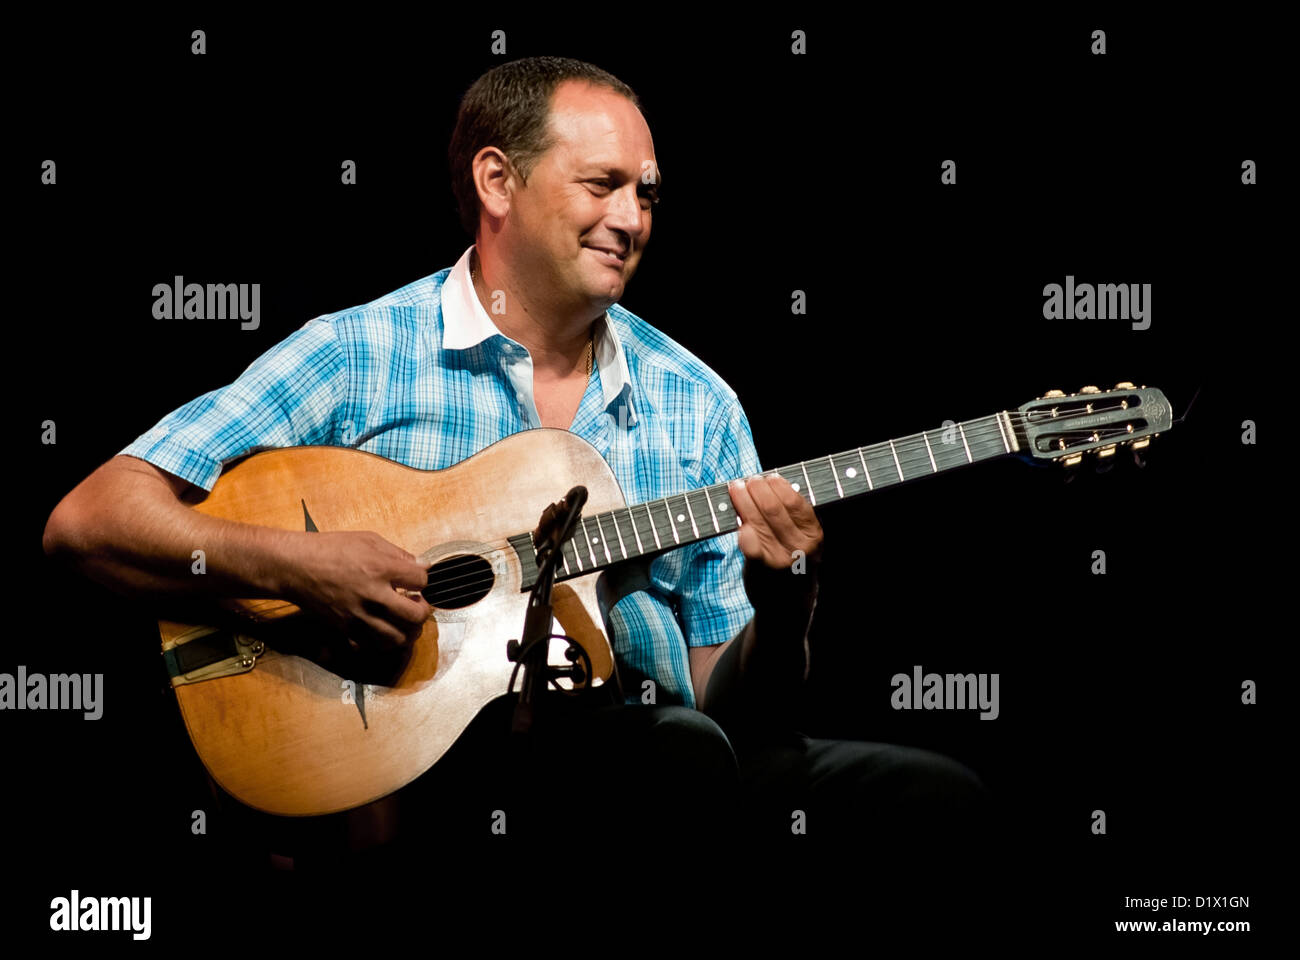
{"x": 625, "y": 213}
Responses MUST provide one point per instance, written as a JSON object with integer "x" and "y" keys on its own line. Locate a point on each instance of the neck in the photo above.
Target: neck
{"x": 603, "y": 539}
{"x": 559, "y": 349}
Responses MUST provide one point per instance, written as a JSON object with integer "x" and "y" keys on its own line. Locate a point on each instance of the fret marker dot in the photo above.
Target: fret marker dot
{"x": 722, "y": 507}
{"x": 681, "y": 518}
{"x": 595, "y": 539}
{"x": 851, "y": 472}
{"x": 796, "y": 486}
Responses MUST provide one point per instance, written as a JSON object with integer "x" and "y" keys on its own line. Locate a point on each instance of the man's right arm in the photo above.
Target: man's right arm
{"x": 128, "y": 526}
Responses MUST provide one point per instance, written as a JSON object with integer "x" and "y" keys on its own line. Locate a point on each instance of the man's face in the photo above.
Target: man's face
{"x": 587, "y": 193}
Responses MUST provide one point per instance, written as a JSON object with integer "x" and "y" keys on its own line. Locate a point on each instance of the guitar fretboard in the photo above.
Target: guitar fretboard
{"x": 603, "y": 539}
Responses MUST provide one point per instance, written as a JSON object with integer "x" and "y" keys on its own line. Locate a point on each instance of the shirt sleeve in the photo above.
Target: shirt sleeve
{"x": 713, "y": 605}
{"x": 288, "y": 396}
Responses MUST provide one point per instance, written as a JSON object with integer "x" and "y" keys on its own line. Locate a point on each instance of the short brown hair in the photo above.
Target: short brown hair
{"x": 509, "y": 107}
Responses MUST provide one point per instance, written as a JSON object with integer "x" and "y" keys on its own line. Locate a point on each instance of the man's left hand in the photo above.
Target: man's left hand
{"x": 781, "y": 539}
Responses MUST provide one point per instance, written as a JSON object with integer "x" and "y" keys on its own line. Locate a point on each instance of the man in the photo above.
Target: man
{"x": 556, "y": 178}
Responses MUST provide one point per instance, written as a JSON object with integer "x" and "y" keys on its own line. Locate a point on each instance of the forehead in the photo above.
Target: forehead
{"x": 595, "y": 124}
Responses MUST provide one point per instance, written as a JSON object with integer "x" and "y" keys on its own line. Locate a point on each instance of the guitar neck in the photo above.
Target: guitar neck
{"x": 604, "y": 539}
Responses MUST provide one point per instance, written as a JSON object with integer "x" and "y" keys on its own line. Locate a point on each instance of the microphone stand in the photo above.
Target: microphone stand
{"x": 554, "y": 528}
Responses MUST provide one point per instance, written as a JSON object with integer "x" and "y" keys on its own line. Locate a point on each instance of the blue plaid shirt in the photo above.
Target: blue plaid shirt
{"x": 422, "y": 376}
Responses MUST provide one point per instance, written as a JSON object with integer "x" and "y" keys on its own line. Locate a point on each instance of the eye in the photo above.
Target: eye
{"x": 603, "y": 184}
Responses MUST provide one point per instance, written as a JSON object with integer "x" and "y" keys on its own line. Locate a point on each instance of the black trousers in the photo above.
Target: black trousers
{"x": 622, "y": 823}
{"x": 651, "y": 781}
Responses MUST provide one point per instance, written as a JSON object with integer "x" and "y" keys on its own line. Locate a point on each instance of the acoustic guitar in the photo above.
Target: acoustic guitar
{"x": 289, "y": 725}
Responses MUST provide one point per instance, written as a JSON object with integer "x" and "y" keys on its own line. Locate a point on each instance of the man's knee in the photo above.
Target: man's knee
{"x": 679, "y": 773}
{"x": 684, "y": 750}
{"x": 925, "y": 791}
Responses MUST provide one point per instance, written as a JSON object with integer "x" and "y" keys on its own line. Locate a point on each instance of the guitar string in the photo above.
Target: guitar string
{"x": 444, "y": 581}
{"x": 905, "y": 447}
{"x": 981, "y": 432}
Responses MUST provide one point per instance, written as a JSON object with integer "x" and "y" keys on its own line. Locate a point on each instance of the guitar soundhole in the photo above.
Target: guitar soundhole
{"x": 458, "y": 581}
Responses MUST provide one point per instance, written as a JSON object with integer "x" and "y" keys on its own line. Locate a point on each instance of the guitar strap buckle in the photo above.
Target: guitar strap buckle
{"x": 207, "y": 653}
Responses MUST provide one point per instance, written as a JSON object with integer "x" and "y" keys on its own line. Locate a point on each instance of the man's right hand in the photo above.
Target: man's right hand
{"x": 351, "y": 580}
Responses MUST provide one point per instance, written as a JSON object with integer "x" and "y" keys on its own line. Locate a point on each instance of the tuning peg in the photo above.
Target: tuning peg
{"x": 1090, "y": 390}
{"x": 1052, "y": 393}
{"x": 1125, "y": 385}
{"x": 1140, "y": 460}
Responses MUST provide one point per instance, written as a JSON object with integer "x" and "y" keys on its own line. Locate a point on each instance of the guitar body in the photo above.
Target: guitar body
{"x": 290, "y": 737}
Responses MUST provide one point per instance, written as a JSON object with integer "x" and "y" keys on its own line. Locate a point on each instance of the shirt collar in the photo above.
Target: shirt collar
{"x": 466, "y": 324}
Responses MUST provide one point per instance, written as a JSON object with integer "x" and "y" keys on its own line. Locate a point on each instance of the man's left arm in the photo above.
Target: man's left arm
{"x": 764, "y": 666}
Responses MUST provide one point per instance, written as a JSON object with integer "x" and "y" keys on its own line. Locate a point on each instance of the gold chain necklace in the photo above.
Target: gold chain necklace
{"x": 591, "y": 340}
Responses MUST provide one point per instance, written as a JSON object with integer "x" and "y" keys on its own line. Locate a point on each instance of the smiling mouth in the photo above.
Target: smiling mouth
{"x": 611, "y": 259}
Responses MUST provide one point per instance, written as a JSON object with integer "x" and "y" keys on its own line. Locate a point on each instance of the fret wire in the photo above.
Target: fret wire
{"x": 671, "y": 522}
{"x": 850, "y": 474}
{"x": 870, "y": 485}
{"x": 929, "y": 452}
{"x": 886, "y": 475}
{"x": 794, "y": 481}
{"x": 727, "y": 507}
{"x": 835, "y": 475}
{"x": 586, "y": 536}
{"x": 812, "y": 496}
{"x": 614, "y": 514}
{"x": 708, "y": 499}
{"x": 897, "y": 465}
{"x": 1003, "y": 433}
{"x": 604, "y": 540}
{"x": 816, "y": 470}
{"x": 658, "y": 545}
{"x": 964, "y": 443}
{"x": 691, "y": 513}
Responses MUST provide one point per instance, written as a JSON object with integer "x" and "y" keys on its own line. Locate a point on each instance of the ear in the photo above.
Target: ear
{"x": 494, "y": 181}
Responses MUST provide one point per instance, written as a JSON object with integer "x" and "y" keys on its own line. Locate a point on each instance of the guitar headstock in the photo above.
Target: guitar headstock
{"x": 1060, "y": 426}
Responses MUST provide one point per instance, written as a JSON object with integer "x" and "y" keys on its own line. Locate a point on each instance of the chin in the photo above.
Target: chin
{"x": 606, "y": 287}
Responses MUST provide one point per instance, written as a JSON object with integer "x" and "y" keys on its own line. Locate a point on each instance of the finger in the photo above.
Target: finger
{"x": 749, "y": 540}
{"x": 768, "y": 500}
{"x": 800, "y": 511}
{"x": 747, "y": 512}
{"x": 413, "y": 575}
{"x": 741, "y": 500}
{"x": 383, "y": 631}
{"x": 410, "y": 610}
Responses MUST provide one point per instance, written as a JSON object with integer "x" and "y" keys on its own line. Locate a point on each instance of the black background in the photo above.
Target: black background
{"x": 821, "y": 173}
